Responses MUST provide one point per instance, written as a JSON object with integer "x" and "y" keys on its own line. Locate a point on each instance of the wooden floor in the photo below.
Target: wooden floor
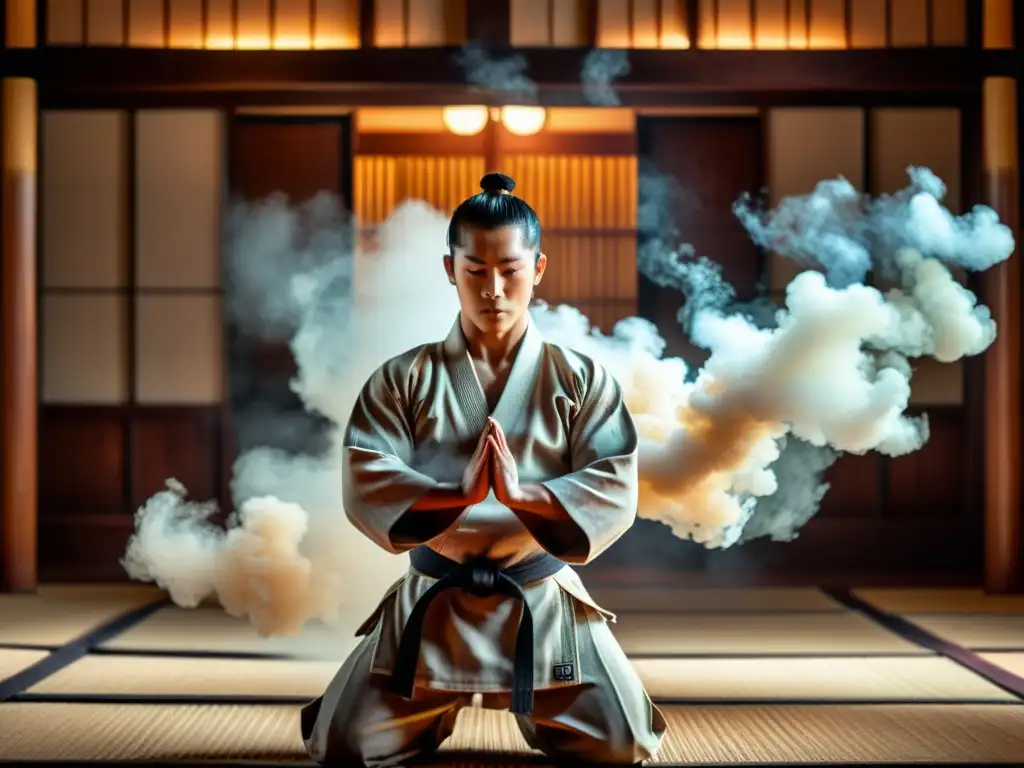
{"x": 745, "y": 676}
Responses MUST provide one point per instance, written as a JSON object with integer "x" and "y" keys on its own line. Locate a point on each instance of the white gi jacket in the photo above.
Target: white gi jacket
{"x": 416, "y": 424}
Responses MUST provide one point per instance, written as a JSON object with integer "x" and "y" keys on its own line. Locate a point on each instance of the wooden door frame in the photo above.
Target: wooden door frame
{"x": 232, "y": 119}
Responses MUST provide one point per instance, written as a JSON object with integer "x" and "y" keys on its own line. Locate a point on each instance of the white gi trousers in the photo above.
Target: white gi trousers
{"x": 609, "y": 721}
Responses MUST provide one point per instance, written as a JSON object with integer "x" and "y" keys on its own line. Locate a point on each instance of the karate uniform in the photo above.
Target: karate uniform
{"x": 416, "y": 424}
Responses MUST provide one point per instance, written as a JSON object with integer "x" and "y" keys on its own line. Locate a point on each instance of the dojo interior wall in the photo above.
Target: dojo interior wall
{"x": 320, "y": 24}
{"x": 131, "y": 358}
{"x": 133, "y": 376}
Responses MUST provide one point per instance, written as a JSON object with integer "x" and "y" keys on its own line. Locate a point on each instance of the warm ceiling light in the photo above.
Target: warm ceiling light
{"x": 465, "y": 121}
{"x": 523, "y": 121}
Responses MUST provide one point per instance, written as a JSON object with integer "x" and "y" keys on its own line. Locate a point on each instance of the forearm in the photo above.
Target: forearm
{"x": 535, "y": 501}
{"x": 441, "y": 496}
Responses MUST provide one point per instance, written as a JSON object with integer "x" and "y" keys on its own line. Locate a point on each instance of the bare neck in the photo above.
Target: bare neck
{"x": 495, "y": 349}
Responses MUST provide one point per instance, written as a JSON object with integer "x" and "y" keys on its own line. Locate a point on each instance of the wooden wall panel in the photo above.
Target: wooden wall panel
{"x": 294, "y": 158}
{"x": 297, "y": 158}
{"x": 252, "y": 25}
{"x": 83, "y": 190}
{"x": 104, "y": 22}
{"x": 228, "y": 24}
{"x": 122, "y": 200}
{"x": 178, "y": 189}
{"x": 932, "y": 483}
{"x": 383, "y": 181}
{"x": 179, "y": 442}
{"x": 713, "y": 160}
{"x": 84, "y": 348}
{"x": 179, "y": 355}
{"x": 857, "y": 488}
{"x": 146, "y": 24}
{"x": 220, "y": 25}
{"x": 540, "y": 23}
{"x": 830, "y": 24}
{"x": 82, "y": 460}
{"x": 639, "y": 24}
{"x": 83, "y": 548}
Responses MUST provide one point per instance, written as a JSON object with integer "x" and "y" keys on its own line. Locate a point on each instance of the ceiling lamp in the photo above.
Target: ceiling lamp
{"x": 465, "y": 121}
{"x": 523, "y": 121}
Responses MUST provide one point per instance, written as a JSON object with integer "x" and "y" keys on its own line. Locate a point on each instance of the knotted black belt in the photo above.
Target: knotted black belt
{"x": 481, "y": 578}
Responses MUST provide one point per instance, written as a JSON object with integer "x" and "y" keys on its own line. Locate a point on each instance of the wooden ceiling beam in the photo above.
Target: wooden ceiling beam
{"x": 556, "y": 71}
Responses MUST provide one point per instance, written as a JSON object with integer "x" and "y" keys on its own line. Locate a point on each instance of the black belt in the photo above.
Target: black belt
{"x": 483, "y": 579}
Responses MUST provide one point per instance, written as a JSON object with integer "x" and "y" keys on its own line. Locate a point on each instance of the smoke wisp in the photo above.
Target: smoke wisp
{"x": 601, "y": 68}
{"x": 505, "y": 75}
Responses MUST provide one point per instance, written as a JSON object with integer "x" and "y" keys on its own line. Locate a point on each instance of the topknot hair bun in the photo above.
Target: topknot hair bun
{"x": 496, "y": 183}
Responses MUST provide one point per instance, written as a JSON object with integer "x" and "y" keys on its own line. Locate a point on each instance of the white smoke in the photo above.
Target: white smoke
{"x": 289, "y": 555}
{"x": 502, "y": 74}
{"x": 847, "y": 234}
{"x": 601, "y": 67}
{"x": 831, "y": 372}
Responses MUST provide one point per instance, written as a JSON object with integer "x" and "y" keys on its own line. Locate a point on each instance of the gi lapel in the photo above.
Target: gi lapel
{"x": 472, "y": 401}
{"x": 521, "y": 378}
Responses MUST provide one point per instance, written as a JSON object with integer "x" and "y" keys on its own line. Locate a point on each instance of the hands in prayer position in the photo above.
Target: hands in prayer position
{"x": 492, "y": 466}
{"x": 476, "y": 480}
{"x": 504, "y": 474}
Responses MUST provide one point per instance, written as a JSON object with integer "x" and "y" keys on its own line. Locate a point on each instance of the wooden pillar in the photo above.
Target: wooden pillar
{"x": 18, "y": 323}
{"x": 488, "y": 23}
{"x": 367, "y": 24}
{"x": 18, "y": 399}
{"x": 1002, "y": 293}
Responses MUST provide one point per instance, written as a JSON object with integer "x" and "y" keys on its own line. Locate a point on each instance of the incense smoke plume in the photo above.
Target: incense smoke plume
{"x": 601, "y": 68}
{"x": 829, "y": 373}
{"x": 505, "y": 75}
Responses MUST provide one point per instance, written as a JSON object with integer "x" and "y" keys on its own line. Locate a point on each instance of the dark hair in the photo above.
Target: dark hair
{"x": 495, "y": 207}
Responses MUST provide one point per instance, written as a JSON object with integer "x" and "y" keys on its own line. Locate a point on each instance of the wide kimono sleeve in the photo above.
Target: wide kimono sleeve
{"x": 379, "y": 487}
{"x": 600, "y": 495}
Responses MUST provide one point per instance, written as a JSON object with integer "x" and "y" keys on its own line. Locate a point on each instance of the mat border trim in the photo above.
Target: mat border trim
{"x": 71, "y": 652}
{"x": 908, "y": 630}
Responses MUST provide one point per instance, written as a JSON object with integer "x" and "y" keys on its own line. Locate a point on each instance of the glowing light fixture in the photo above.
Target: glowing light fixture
{"x": 523, "y": 121}
{"x": 465, "y": 121}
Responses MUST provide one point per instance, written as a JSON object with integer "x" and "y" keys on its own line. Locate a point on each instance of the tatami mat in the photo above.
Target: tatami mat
{"x": 960, "y": 600}
{"x": 757, "y": 634}
{"x": 697, "y": 734}
{"x": 1011, "y": 662}
{"x": 58, "y": 614}
{"x": 163, "y": 676}
{"x": 13, "y": 661}
{"x": 211, "y": 630}
{"x": 676, "y": 599}
{"x": 794, "y": 734}
{"x": 808, "y": 679}
{"x": 778, "y": 679}
{"x": 987, "y": 631}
